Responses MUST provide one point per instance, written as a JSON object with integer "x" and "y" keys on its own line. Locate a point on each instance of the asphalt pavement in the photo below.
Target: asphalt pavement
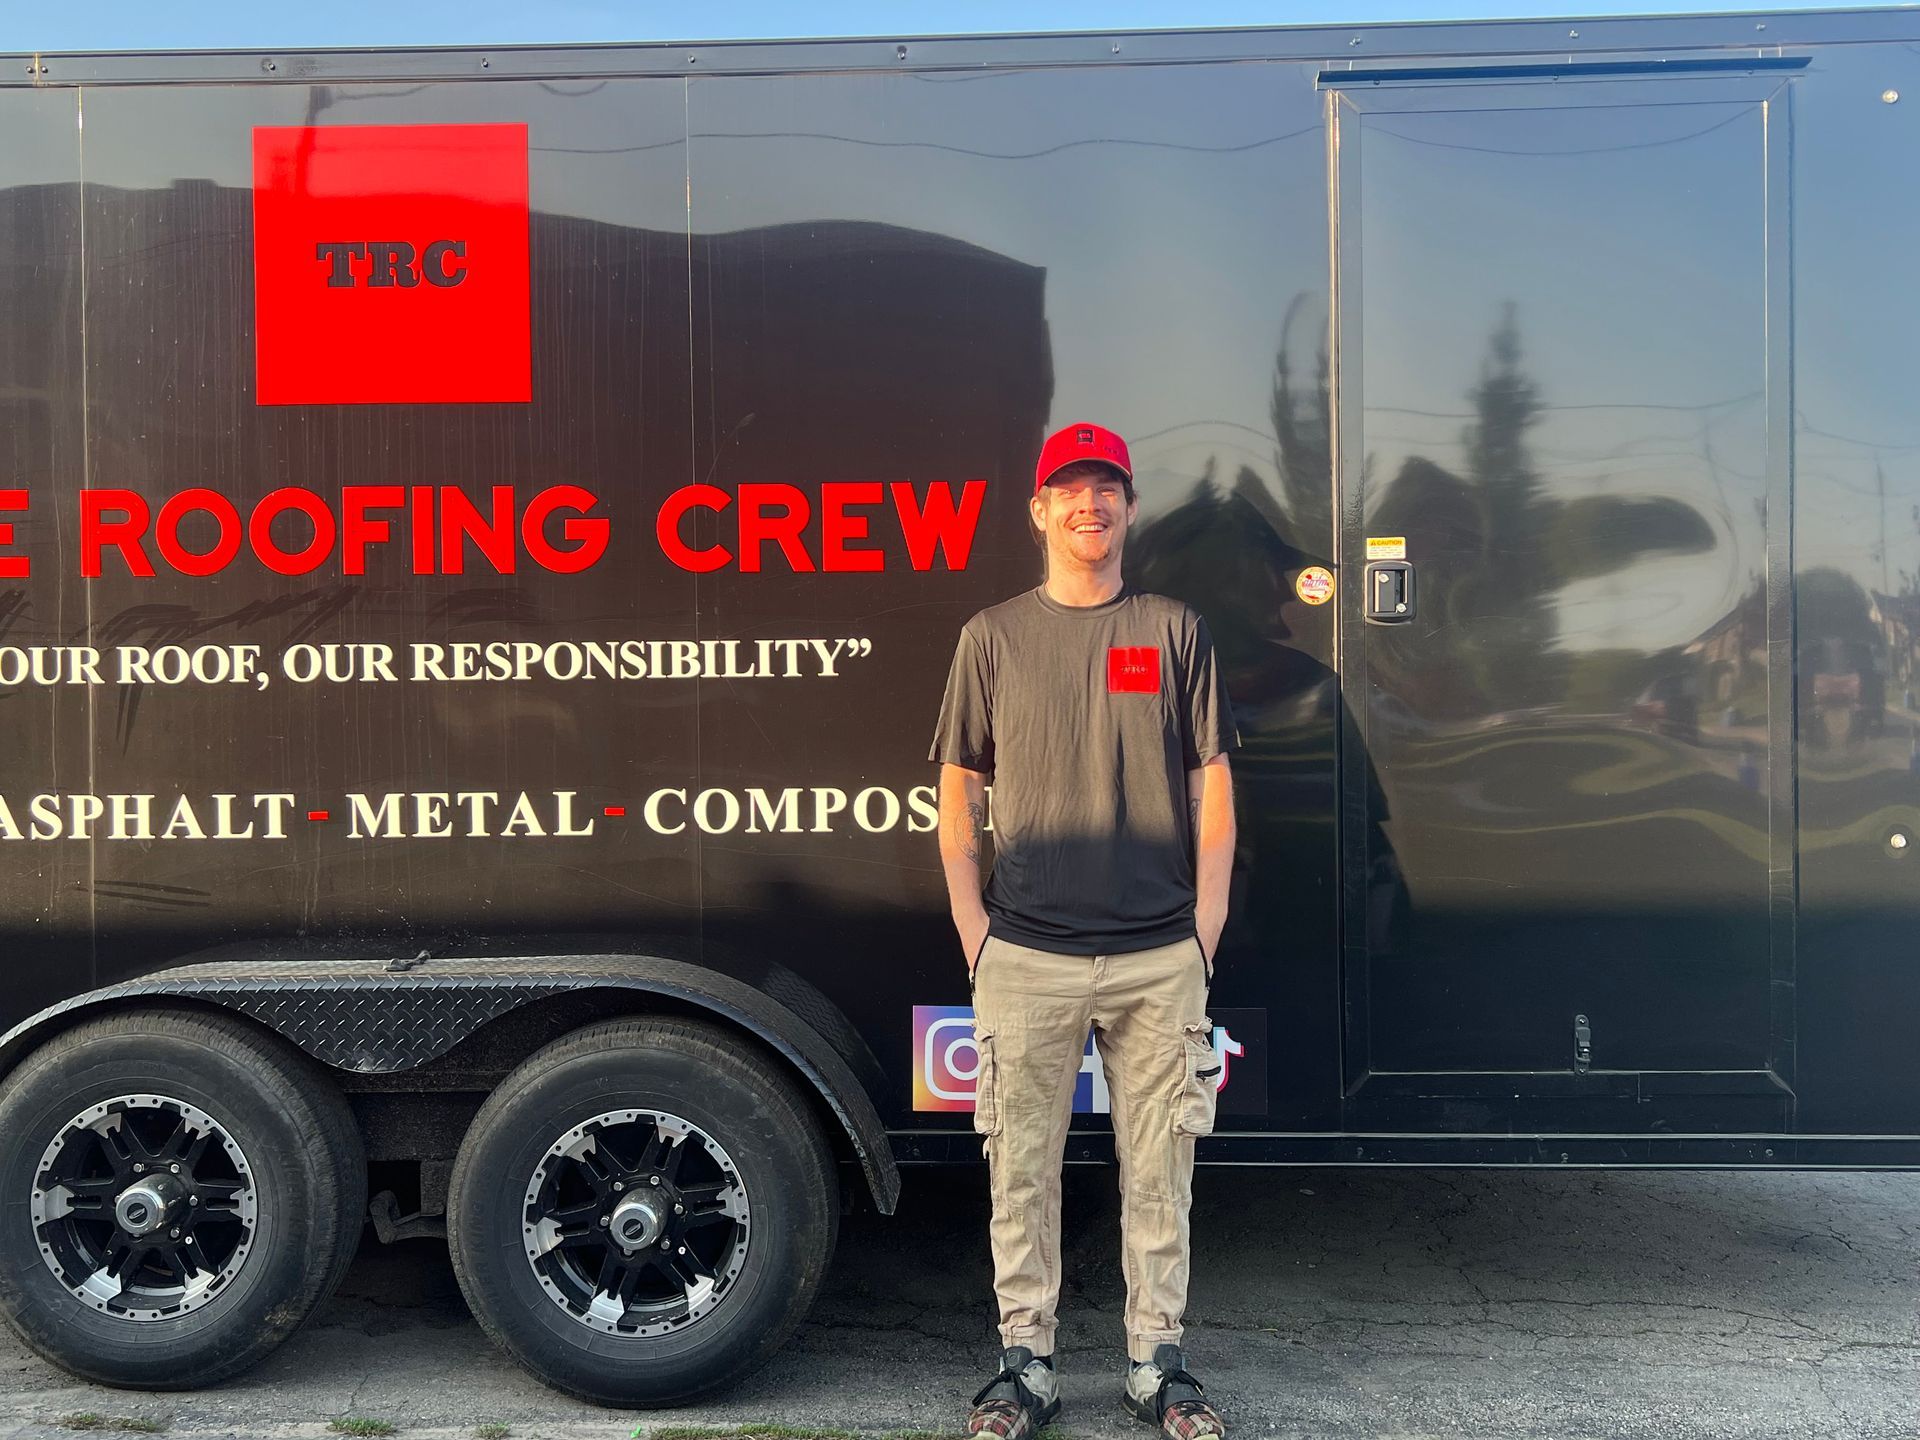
{"x": 1334, "y": 1304}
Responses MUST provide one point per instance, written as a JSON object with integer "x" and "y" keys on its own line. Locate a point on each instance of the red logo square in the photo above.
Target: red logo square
{"x": 390, "y": 264}
{"x": 1133, "y": 670}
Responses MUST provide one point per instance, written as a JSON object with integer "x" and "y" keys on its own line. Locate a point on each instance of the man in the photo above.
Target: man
{"x": 1098, "y": 713}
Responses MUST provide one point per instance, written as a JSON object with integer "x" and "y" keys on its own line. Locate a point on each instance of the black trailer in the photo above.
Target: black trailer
{"x": 482, "y": 534}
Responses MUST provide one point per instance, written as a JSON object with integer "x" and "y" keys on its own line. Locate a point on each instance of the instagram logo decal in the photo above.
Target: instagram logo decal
{"x": 945, "y": 1062}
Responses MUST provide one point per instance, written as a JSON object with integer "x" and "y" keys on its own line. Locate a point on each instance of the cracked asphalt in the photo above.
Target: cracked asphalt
{"x": 1335, "y": 1304}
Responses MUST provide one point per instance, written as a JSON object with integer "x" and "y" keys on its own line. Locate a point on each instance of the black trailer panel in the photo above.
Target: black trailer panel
{"x": 1606, "y": 838}
{"x": 1569, "y": 844}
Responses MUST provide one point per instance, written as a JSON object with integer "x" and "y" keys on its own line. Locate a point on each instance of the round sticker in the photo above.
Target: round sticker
{"x": 1315, "y": 585}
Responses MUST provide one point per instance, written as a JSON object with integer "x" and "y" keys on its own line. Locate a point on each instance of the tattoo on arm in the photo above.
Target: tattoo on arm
{"x": 976, "y": 824}
{"x": 1193, "y": 809}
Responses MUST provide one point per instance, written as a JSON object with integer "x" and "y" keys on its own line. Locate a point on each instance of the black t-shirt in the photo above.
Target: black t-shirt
{"x": 1088, "y": 719}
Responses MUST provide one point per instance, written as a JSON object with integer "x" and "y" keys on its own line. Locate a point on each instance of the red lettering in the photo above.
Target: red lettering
{"x": 420, "y": 523}
{"x": 226, "y": 544}
{"x": 837, "y": 527}
{"x": 97, "y": 532}
{"x": 460, "y": 520}
{"x": 667, "y": 528}
{"x": 941, "y": 524}
{"x": 356, "y": 530}
{"x": 587, "y": 534}
{"x": 12, "y": 567}
{"x": 557, "y": 528}
{"x": 260, "y": 530}
{"x": 757, "y": 526}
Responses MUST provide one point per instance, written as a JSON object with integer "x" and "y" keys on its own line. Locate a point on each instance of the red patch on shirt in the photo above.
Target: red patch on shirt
{"x": 1133, "y": 670}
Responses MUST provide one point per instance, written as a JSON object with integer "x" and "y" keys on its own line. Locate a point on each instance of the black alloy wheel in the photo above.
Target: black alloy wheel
{"x": 643, "y": 1211}
{"x": 636, "y": 1222}
{"x": 144, "y": 1207}
{"x": 178, "y": 1192}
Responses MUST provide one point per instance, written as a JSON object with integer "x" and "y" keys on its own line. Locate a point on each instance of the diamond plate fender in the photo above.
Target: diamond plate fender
{"x": 355, "y": 1015}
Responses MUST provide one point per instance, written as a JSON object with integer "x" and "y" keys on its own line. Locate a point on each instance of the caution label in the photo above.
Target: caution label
{"x": 1386, "y": 547}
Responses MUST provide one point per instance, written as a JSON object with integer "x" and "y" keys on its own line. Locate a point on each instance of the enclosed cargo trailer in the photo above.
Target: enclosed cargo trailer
{"x": 484, "y": 532}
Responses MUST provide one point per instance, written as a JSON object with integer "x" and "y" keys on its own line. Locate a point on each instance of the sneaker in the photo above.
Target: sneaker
{"x": 1024, "y": 1396}
{"x": 1161, "y": 1392}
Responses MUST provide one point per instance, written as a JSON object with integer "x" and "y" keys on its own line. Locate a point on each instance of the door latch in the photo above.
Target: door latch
{"x": 1389, "y": 592}
{"x": 1582, "y": 1044}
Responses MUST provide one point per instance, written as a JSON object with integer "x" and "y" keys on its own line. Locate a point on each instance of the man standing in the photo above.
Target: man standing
{"x": 1098, "y": 713}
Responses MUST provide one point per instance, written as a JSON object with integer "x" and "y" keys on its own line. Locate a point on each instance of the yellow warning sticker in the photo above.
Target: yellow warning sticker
{"x": 1315, "y": 585}
{"x": 1386, "y": 547}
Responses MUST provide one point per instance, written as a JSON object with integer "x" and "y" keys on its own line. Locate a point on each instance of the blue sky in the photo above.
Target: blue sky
{"x": 220, "y": 24}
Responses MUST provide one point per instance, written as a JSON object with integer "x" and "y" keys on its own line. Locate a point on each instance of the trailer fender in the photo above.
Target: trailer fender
{"x": 361, "y": 1017}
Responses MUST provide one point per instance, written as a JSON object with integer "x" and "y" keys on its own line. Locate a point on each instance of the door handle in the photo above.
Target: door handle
{"x": 1389, "y": 592}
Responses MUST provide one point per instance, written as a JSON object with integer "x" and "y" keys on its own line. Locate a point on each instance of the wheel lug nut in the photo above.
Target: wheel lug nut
{"x": 193, "y": 1199}
{"x": 679, "y": 1209}
{"x": 666, "y": 1244}
{"x": 604, "y": 1222}
{"x": 653, "y": 1180}
{"x": 174, "y": 1234}
{"x": 139, "y": 1169}
{"x": 619, "y": 1184}
{"x": 174, "y": 1168}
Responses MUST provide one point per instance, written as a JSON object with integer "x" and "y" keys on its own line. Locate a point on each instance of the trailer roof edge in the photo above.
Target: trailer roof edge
{"x": 1747, "y": 31}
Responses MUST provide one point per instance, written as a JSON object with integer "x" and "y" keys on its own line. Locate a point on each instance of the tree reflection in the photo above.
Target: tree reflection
{"x": 1843, "y": 692}
{"x": 1497, "y": 547}
{"x": 1232, "y": 551}
{"x": 1501, "y": 547}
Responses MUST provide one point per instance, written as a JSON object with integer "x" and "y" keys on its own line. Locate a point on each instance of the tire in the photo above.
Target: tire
{"x": 282, "y": 1177}
{"x": 571, "y": 1138}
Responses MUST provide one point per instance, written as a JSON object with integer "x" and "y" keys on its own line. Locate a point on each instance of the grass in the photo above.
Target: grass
{"x": 126, "y": 1424}
{"x": 358, "y": 1425}
{"x": 492, "y": 1430}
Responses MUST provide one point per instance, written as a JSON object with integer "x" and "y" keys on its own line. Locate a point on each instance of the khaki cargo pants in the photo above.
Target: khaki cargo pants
{"x": 1147, "y": 1010}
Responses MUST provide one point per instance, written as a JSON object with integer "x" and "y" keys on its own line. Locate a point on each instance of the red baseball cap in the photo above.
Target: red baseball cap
{"x": 1081, "y": 441}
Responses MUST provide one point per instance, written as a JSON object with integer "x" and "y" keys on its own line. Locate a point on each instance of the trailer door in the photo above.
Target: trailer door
{"x": 1562, "y": 393}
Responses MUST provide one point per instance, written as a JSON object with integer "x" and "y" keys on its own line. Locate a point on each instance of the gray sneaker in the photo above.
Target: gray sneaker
{"x": 1161, "y": 1392}
{"x": 1024, "y": 1396}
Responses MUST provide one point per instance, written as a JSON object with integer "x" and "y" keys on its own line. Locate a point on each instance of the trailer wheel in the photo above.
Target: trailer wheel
{"x": 642, "y": 1212}
{"x": 177, "y": 1194}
